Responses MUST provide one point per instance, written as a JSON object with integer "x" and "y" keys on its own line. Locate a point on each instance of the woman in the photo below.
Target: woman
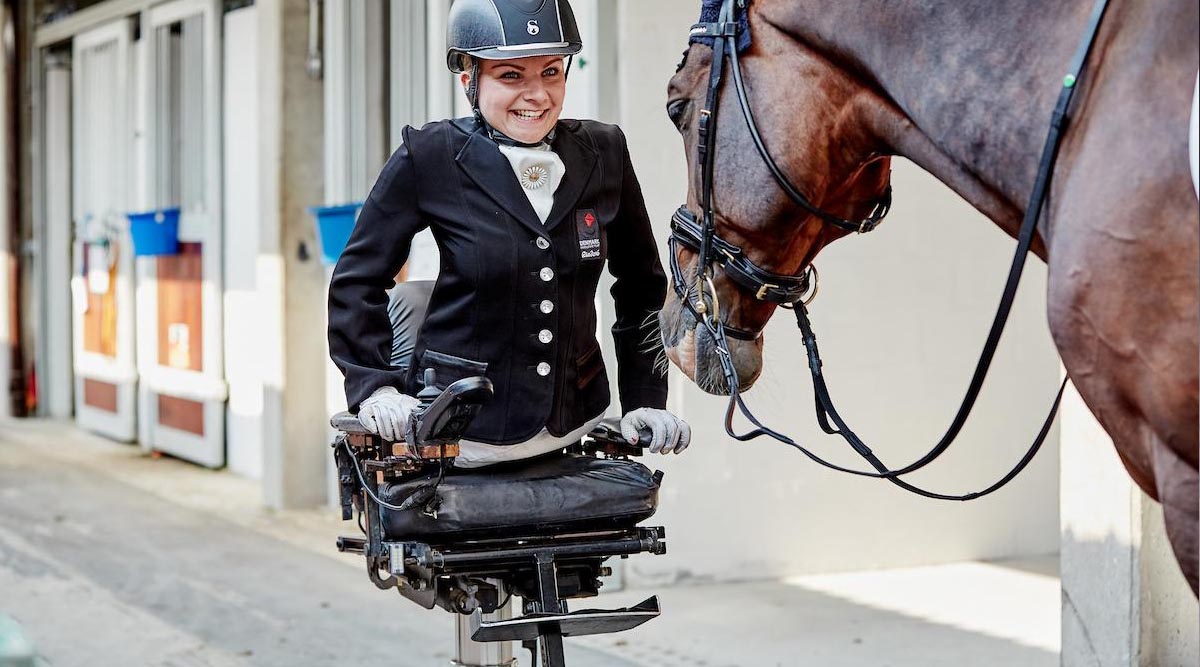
{"x": 526, "y": 209}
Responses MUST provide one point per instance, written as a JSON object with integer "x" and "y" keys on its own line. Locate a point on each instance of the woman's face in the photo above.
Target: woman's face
{"x": 521, "y": 97}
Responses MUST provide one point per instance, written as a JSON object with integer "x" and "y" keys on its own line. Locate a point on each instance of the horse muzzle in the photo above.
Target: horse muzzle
{"x": 693, "y": 350}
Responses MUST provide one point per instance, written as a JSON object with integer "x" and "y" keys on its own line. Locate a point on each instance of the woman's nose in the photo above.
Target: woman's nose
{"x": 536, "y": 93}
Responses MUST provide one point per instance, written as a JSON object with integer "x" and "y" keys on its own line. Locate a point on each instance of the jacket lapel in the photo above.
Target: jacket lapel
{"x": 493, "y": 173}
{"x": 579, "y": 160}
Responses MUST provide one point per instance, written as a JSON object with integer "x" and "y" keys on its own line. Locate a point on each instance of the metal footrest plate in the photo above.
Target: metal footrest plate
{"x": 574, "y": 624}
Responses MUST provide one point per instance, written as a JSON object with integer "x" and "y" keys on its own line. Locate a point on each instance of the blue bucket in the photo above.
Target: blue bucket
{"x": 155, "y": 232}
{"x": 334, "y": 224}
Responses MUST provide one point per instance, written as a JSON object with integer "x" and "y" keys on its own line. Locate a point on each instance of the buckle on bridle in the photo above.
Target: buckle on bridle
{"x": 761, "y": 294}
{"x": 714, "y": 29}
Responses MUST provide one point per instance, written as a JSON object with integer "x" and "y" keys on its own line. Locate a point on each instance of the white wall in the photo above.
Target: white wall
{"x": 290, "y": 121}
{"x": 901, "y": 317}
{"x": 243, "y": 340}
{"x": 56, "y": 381}
{"x": 1124, "y": 599}
{"x": 583, "y": 80}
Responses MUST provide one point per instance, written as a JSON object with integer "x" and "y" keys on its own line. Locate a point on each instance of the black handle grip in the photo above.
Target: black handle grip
{"x": 608, "y": 435}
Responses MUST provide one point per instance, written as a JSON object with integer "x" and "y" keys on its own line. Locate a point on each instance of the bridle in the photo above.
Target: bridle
{"x": 782, "y": 290}
{"x": 795, "y": 292}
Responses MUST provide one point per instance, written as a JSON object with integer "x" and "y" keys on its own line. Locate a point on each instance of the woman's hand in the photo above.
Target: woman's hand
{"x": 387, "y": 413}
{"x": 670, "y": 433}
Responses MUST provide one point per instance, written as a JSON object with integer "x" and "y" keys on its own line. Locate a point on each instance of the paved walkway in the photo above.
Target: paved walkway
{"x": 109, "y": 557}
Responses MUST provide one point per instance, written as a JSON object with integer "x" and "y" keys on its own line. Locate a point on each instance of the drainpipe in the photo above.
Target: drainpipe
{"x": 314, "y": 64}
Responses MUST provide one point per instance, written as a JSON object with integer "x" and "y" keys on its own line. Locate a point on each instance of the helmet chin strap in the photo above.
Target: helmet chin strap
{"x": 505, "y": 140}
{"x": 473, "y": 86}
{"x": 496, "y": 135}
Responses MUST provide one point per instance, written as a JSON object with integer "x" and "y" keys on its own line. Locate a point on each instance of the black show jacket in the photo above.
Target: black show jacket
{"x": 501, "y": 271}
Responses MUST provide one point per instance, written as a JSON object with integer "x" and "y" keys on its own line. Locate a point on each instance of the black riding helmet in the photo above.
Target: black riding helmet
{"x": 503, "y": 29}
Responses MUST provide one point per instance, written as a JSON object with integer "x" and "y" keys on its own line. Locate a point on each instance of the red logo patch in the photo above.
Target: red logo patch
{"x": 588, "y": 233}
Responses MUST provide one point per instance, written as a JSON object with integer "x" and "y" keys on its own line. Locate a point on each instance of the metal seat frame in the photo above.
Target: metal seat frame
{"x": 476, "y": 577}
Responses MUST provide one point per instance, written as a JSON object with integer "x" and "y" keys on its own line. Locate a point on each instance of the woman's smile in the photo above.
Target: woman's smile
{"x": 524, "y": 116}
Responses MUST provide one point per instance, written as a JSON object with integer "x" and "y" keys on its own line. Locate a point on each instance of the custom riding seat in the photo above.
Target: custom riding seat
{"x": 464, "y": 538}
{"x": 558, "y": 491}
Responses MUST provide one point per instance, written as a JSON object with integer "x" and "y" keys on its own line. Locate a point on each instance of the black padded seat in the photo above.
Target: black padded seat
{"x": 553, "y": 492}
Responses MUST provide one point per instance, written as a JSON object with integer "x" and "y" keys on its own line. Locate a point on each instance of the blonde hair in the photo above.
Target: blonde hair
{"x": 466, "y": 62}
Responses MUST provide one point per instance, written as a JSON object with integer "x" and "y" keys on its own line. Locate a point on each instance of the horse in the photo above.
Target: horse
{"x": 965, "y": 89}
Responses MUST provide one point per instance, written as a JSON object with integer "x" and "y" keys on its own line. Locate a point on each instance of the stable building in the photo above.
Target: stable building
{"x": 165, "y": 275}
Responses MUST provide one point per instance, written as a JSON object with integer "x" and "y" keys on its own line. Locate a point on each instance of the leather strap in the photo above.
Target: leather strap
{"x": 765, "y": 285}
{"x": 827, "y": 413}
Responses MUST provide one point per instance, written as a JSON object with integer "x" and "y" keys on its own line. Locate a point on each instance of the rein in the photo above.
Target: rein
{"x": 796, "y": 292}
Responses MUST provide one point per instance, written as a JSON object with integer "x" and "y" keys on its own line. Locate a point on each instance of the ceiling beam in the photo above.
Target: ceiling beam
{"x": 84, "y": 19}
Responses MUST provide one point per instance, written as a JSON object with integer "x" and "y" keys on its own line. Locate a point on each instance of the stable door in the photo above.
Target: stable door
{"x": 102, "y": 289}
{"x": 183, "y": 391}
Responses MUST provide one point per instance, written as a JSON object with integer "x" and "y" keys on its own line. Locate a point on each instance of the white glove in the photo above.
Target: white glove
{"x": 670, "y": 433}
{"x": 386, "y": 413}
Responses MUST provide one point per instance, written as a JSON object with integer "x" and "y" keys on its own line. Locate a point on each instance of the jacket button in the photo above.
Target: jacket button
{"x": 546, "y": 274}
{"x": 545, "y": 336}
{"x": 543, "y": 369}
{"x": 546, "y": 306}
{"x": 542, "y": 243}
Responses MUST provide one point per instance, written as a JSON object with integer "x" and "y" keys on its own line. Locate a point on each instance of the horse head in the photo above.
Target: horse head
{"x": 812, "y": 118}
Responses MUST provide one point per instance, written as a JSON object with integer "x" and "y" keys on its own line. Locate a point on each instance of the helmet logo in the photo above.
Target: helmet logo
{"x": 532, "y": 27}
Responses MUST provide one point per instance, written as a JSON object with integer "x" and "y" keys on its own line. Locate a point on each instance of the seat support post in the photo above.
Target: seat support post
{"x": 550, "y": 636}
{"x": 469, "y": 653}
{"x": 548, "y": 584}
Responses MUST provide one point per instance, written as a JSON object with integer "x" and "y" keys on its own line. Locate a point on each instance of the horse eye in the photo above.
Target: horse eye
{"x": 675, "y": 110}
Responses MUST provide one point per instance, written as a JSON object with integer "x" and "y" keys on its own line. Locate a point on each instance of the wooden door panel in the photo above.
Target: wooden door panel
{"x": 180, "y": 312}
{"x": 181, "y": 414}
{"x": 100, "y": 395}
{"x": 100, "y": 318}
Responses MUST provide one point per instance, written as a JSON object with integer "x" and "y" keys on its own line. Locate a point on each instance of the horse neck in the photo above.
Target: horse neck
{"x": 968, "y": 85}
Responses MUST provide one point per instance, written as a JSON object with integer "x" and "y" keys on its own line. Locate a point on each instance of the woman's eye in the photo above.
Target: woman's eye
{"x": 551, "y": 71}
{"x": 675, "y": 111}
{"x": 510, "y": 75}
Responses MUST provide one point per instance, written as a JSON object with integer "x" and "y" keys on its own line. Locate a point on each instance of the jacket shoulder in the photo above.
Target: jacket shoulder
{"x": 605, "y": 136}
{"x": 434, "y": 134}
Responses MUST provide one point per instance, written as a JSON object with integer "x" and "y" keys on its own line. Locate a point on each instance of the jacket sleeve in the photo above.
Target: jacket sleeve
{"x": 360, "y": 333}
{"x": 638, "y": 293}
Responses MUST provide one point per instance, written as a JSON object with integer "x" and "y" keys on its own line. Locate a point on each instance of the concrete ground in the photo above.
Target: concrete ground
{"x": 110, "y": 557}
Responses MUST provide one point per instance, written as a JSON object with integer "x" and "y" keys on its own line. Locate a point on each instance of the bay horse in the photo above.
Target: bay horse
{"x": 965, "y": 89}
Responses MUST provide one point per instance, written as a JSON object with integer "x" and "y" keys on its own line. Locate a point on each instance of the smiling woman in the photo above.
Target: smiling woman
{"x": 527, "y": 210}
